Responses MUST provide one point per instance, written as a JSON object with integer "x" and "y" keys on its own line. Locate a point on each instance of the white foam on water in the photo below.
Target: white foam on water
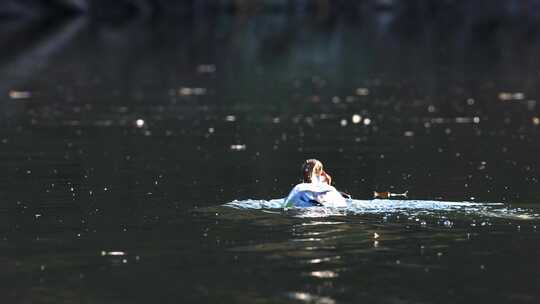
{"x": 257, "y": 204}
{"x": 389, "y": 206}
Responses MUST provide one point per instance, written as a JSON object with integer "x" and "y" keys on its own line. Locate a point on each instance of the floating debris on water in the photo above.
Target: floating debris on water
{"x": 387, "y": 194}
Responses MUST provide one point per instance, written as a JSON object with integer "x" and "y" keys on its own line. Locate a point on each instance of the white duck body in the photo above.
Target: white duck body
{"x": 314, "y": 194}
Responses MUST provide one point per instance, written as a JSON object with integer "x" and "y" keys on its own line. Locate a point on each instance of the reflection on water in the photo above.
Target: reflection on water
{"x": 384, "y": 256}
{"x": 120, "y": 142}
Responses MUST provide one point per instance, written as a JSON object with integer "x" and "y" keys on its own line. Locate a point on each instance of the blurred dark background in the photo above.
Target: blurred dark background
{"x": 202, "y": 102}
{"x": 160, "y": 8}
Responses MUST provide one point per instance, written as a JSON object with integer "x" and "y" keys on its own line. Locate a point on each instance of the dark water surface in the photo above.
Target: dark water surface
{"x": 120, "y": 141}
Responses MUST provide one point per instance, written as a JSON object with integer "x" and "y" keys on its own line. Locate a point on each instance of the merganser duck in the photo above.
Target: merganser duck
{"x": 315, "y": 189}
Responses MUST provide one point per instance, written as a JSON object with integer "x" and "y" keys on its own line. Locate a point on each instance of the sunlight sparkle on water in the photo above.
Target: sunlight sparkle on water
{"x": 356, "y": 119}
{"x": 324, "y": 274}
{"x": 113, "y": 253}
{"x": 206, "y": 68}
{"x": 185, "y": 91}
{"x": 19, "y": 94}
{"x": 321, "y": 260}
{"x": 362, "y": 91}
{"x": 508, "y": 96}
{"x": 238, "y": 147}
{"x": 321, "y": 223}
{"x": 309, "y": 298}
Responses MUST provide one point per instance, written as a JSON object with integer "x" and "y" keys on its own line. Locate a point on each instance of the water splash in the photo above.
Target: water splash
{"x": 390, "y": 206}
